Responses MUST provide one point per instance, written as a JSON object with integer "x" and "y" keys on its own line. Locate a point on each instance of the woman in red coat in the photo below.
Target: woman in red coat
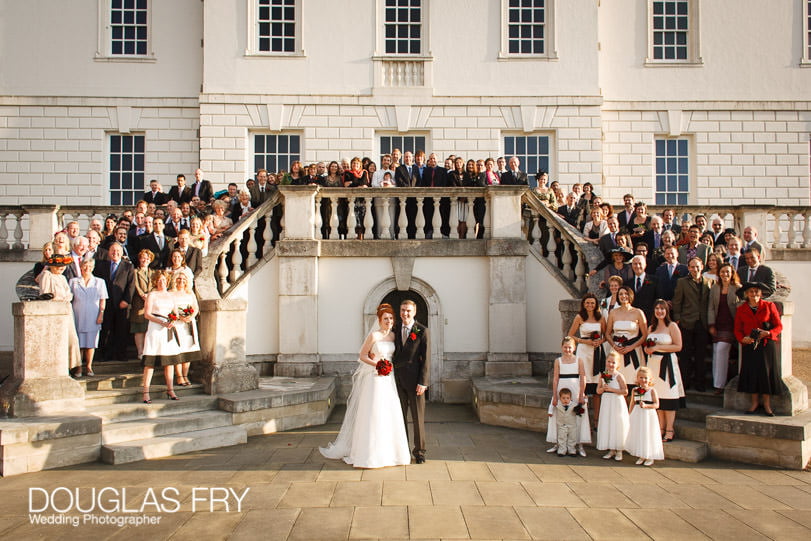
{"x": 757, "y": 327}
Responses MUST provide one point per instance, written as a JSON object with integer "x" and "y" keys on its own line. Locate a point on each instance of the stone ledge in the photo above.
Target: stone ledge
{"x": 796, "y": 428}
{"x": 519, "y": 391}
{"x": 14, "y": 431}
{"x": 277, "y": 392}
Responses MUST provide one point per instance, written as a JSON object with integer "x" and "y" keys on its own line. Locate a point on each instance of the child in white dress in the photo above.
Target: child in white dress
{"x": 613, "y": 422}
{"x": 570, "y": 373}
{"x": 644, "y": 439}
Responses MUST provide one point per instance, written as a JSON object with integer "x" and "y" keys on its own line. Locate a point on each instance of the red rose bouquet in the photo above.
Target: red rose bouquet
{"x": 579, "y": 409}
{"x": 384, "y": 367}
{"x": 187, "y": 311}
{"x": 621, "y": 341}
{"x": 650, "y": 342}
{"x": 640, "y": 393}
{"x": 595, "y": 335}
{"x": 606, "y": 377}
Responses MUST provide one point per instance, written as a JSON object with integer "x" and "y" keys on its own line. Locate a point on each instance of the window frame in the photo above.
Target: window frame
{"x": 425, "y": 33}
{"x": 691, "y": 169}
{"x": 252, "y": 33}
{"x": 265, "y": 133}
{"x": 416, "y": 133}
{"x": 550, "y": 155}
{"x": 805, "y": 23}
{"x": 104, "y": 46}
{"x": 137, "y": 192}
{"x": 694, "y": 58}
{"x": 550, "y": 36}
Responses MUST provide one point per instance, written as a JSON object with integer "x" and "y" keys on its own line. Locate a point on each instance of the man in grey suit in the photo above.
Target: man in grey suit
{"x": 693, "y": 248}
{"x": 690, "y": 304}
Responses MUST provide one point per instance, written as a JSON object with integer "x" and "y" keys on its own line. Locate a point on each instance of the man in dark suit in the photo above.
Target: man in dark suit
{"x": 754, "y": 271}
{"x": 262, "y": 190}
{"x": 435, "y": 176}
{"x": 180, "y": 193}
{"x": 120, "y": 236}
{"x": 718, "y": 232}
{"x": 653, "y": 236}
{"x": 690, "y": 302}
{"x": 570, "y": 211}
{"x": 158, "y": 243}
{"x": 608, "y": 242}
{"x": 412, "y": 365}
{"x": 175, "y": 223}
{"x": 155, "y": 195}
{"x": 118, "y": 277}
{"x": 693, "y": 248}
{"x": 750, "y": 240}
{"x": 514, "y": 176}
{"x": 192, "y": 255}
{"x": 407, "y": 176}
{"x": 627, "y": 213}
{"x": 734, "y": 256}
{"x": 202, "y": 188}
{"x": 668, "y": 274}
{"x": 667, "y": 222}
{"x": 644, "y": 286}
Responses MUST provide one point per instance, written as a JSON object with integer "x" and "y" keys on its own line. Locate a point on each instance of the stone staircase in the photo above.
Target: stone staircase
{"x": 132, "y": 430}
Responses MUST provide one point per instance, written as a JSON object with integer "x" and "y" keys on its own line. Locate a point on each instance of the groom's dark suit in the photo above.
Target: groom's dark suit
{"x": 412, "y": 362}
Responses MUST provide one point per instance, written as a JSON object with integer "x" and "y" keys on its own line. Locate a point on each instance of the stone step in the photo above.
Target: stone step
{"x": 160, "y": 407}
{"x": 705, "y": 399}
{"x": 691, "y": 430}
{"x": 697, "y": 412}
{"x": 118, "y": 381}
{"x": 134, "y": 394}
{"x": 132, "y": 366}
{"x": 164, "y": 426}
{"x": 175, "y": 444}
{"x": 685, "y": 450}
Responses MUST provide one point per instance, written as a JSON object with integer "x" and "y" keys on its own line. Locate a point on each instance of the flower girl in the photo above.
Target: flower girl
{"x": 613, "y": 422}
{"x": 644, "y": 439}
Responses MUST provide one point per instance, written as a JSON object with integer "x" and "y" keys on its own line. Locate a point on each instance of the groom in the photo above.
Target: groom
{"x": 412, "y": 360}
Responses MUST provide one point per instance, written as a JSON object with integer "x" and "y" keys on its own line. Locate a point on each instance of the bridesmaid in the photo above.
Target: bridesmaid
{"x": 588, "y": 331}
{"x": 626, "y": 332}
{"x": 664, "y": 341}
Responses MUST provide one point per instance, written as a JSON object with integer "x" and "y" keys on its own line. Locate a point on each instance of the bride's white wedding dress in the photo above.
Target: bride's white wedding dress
{"x": 373, "y": 433}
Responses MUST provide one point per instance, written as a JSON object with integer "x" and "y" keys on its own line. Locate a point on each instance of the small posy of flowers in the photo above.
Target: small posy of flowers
{"x": 606, "y": 377}
{"x": 621, "y": 341}
{"x": 595, "y": 335}
{"x": 383, "y": 367}
{"x": 640, "y": 393}
{"x": 579, "y": 409}
{"x": 187, "y": 311}
{"x": 173, "y": 316}
{"x": 650, "y": 342}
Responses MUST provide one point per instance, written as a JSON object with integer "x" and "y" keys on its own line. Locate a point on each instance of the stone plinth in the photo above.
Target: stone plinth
{"x": 515, "y": 402}
{"x": 793, "y": 397}
{"x": 39, "y": 383}
{"x": 222, "y": 343}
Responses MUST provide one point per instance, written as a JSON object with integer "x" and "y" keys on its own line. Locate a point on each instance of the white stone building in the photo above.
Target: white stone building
{"x": 98, "y": 97}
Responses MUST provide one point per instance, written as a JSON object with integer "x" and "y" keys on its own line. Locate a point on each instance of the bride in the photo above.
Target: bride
{"x": 373, "y": 434}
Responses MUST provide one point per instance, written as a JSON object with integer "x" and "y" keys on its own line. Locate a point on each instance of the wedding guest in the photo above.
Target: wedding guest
{"x": 89, "y": 300}
{"x": 721, "y": 322}
{"x": 219, "y": 222}
{"x": 757, "y": 329}
{"x": 690, "y": 307}
{"x": 51, "y": 282}
{"x": 142, "y": 284}
{"x": 47, "y": 252}
{"x": 177, "y": 263}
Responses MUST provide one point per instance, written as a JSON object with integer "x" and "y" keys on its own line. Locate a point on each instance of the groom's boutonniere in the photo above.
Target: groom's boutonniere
{"x": 413, "y": 335}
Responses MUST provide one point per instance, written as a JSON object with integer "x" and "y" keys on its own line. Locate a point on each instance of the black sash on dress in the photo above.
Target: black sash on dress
{"x": 631, "y": 356}
{"x": 561, "y": 376}
{"x": 666, "y": 369}
{"x": 598, "y": 361}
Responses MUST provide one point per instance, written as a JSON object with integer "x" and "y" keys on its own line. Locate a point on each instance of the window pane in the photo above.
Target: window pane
{"x": 532, "y": 152}
{"x": 127, "y": 163}
{"x": 275, "y": 152}
{"x": 672, "y": 170}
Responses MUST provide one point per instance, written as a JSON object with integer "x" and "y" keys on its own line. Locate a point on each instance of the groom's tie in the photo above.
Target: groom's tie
{"x": 405, "y": 334}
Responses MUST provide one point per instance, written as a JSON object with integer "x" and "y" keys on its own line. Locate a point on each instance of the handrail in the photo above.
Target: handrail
{"x": 560, "y": 247}
{"x": 241, "y": 251}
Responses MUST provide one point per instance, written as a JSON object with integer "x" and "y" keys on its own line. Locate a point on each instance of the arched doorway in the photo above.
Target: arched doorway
{"x": 429, "y": 313}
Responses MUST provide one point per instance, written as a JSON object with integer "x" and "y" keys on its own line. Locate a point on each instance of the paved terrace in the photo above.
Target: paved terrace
{"x": 481, "y": 482}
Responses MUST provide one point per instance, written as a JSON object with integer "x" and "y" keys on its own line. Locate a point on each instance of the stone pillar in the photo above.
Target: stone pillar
{"x": 507, "y": 355}
{"x": 793, "y": 398}
{"x": 298, "y": 254}
{"x": 223, "y": 326}
{"x": 39, "y": 383}
{"x": 42, "y": 223}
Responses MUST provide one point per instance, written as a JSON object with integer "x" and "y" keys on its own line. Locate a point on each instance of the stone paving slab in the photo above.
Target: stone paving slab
{"x": 476, "y": 489}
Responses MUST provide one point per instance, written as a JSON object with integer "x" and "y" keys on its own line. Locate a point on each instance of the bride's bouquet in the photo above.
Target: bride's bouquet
{"x": 384, "y": 367}
{"x": 171, "y": 333}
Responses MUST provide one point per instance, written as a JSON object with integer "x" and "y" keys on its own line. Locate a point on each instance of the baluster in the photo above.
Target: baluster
{"x": 580, "y": 271}
{"x": 776, "y": 233}
{"x": 807, "y": 230}
{"x": 792, "y": 233}
{"x": 420, "y": 218}
{"x": 267, "y": 234}
{"x": 333, "y": 217}
{"x": 236, "y": 262}
{"x": 351, "y": 220}
{"x": 282, "y": 221}
{"x": 402, "y": 221}
{"x": 3, "y": 232}
{"x": 567, "y": 260}
{"x": 385, "y": 220}
{"x": 453, "y": 221}
{"x": 252, "y": 247}
{"x": 222, "y": 272}
{"x": 470, "y": 219}
{"x": 319, "y": 221}
{"x": 18, "y": 232}
{"x": 535, "y": 230}
{"x": 551, "y": 247}
{"x": 368, "y": 222}
{"x": 436, "y": 219}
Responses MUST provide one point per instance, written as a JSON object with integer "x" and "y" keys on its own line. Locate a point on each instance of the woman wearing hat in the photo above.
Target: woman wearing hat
{"x": 51, "y": 281}
{"x": 757, "y": 326}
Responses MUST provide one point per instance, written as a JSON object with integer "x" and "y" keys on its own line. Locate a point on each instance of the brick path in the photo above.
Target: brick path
{"x": 480, "y": 482}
